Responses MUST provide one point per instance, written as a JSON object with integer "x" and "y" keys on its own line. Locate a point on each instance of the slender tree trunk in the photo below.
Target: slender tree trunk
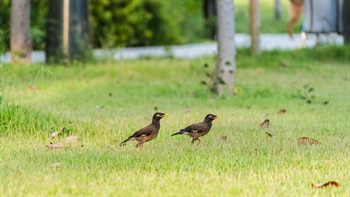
{"x": 226, "y": 64}
{"x": 254, "y": 12}
{"x": 68, "y": 31}
{"x": 21, "y": 43}
{"x": 346, "y": 21}
{"x": 278, "y": 10}
{"x": 210, "y": 15}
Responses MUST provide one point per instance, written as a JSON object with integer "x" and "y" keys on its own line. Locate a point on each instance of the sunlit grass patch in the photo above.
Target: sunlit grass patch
{"x": 103, "y": 104}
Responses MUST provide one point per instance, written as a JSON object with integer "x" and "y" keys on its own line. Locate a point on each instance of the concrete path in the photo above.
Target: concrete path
{"x": 267, "y": 42}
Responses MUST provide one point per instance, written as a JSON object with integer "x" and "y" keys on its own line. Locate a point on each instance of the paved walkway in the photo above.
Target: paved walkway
{"x": 267, "y": 42}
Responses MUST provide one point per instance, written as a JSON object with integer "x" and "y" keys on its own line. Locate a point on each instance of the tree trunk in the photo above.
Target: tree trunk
{"x": 21, "y": 43}
{"x": 210, "y": 15}
{"x": 54, "y": 33}
{"x": 68, "y": 31}
{"x": 346, "y": 21}
{"x": 278, "y": 10}
{"x": 254, "y": 12}
{"x": 226, "y": 64}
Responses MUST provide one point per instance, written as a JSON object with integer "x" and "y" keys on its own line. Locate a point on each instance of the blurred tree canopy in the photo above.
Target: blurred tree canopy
{"x": 121, "y": 23}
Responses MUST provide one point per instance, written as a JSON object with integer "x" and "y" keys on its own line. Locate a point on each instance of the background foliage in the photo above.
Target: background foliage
{"x": 142, "y": 23}
{"x": 121, "y": 23}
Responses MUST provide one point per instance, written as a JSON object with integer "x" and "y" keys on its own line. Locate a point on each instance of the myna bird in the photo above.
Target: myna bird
{"x": 147, "y": 133}
{"x": 199, "y": 129}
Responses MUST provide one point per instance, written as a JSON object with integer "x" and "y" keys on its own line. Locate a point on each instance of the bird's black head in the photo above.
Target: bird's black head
{"x": 210, "y": 117}
{"x": 159, "y": 115}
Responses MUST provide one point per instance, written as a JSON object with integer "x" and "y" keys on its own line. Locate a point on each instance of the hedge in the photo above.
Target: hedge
{"x": 121, "y": 23}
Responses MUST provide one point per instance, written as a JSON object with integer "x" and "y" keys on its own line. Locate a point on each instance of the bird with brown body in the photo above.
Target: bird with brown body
{"x": 199, "y": 129}
{"x": 147, "y": 133}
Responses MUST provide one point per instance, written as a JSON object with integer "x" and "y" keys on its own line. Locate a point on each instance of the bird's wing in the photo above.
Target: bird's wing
{"x": 195, "y": 128}
{"x": 146, "y": 131}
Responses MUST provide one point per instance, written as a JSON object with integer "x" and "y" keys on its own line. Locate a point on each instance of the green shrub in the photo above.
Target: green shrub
{"x": 5, "y": 25}
{"x": 144, "y": 23}
{"x": 125, "y": 22}
{"x": 120, "y": 23}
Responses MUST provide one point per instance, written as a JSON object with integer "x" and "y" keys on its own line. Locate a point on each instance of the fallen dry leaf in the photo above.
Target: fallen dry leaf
{"x": 71, "y": 139}
{"x": 321, "y": 185}
{"x": 223, "y": 138}
{"x": 282, "y": 111}
{"x": 265, "y": 124}
{"x": 307, "y": 140}
{"x": 32, "y": 87}
{"x": 54, "y": 146}
{"x": 269, "y": 134}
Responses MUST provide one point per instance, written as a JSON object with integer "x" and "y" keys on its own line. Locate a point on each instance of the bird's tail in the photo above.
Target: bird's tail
{"x": 124, "y": 142}
{"x": 180, "y": 132}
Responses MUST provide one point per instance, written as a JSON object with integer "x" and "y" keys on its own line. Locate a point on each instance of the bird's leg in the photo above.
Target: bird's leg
{"x": 194, "y": 139}
{"x": 139, "y": 144}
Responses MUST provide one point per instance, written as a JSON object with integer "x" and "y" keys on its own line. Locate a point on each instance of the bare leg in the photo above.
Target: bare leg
{"x": 139, "y": 144}
{"x": 296, "y": 9}
{"x": 194, "y": 139}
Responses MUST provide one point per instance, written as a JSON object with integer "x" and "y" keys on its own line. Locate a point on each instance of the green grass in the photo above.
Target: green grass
{"x": 249, "y": 163}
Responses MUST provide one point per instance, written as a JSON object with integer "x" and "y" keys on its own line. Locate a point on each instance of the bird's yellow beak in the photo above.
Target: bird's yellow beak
{"x": 165, "y": 115}
{"x": 217, "y": 117}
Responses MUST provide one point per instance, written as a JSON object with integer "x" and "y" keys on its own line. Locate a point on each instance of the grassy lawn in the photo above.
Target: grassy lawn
{"x": 104, "y": 103}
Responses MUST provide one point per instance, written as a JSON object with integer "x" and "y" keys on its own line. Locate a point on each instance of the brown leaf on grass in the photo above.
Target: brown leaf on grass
{"x": 322, "y": 185}
{"x": 269, "y": 134}
{"x": 55, "y": 146}
{"x": 32, "y": 87}
{"x": 307, "y": 141}
{"x": 71, "y": 139}
{"x": 223, "y": 138}
{"x": 265, "y": 124}
{"x": 282, "y": 111}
